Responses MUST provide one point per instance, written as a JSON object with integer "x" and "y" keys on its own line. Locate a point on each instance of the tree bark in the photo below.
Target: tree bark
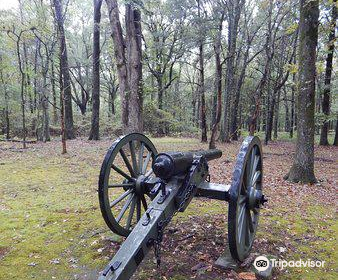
{"x": 68, "y": 116}
{"x": 335, "y": 142}
{"x": 120, "y": 58}
{"x": 328, "y": 73}
{"x": 134, "y": 57}
{"x": 276, "y": 117}
{"x": 52, "y": 80}
{"x": 202, "y": 95}
{"x": 287, "y": 114}
{"x": 218, "y": 86}
{"x": 6, "y": 104}
{"x": 95, "y": 126}
{"x": 234, "y": 8}
{"x": 302, "y": 169}
{"x": 293, "y": 104}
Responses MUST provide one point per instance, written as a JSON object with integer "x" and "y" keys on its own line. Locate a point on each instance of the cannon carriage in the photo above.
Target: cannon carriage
{"x": 140, "y": 190}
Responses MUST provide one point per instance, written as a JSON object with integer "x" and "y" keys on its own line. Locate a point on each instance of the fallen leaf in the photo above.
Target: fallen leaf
{"x": 247, "y": 276}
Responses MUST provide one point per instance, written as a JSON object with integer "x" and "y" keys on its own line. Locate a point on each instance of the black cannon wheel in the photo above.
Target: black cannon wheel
{"x": 243, "y": 205}
{"x": 122, "y": 195}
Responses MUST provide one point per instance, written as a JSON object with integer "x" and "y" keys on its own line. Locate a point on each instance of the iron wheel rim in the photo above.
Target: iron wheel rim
{"x": 243, "y": 221}
{"x": 132, "y": 168}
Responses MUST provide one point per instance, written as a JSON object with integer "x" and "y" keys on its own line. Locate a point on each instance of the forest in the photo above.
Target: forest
{"x": 190, "y": 74}
{"x": 214, "y": 69}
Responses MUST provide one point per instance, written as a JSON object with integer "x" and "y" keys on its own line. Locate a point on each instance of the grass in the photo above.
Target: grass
{"x": 285, "y": 136}
{"x": 51, "y": 226}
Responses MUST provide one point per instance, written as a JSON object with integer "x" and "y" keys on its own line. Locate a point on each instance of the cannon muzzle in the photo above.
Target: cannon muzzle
{"x": 167, "y": 165}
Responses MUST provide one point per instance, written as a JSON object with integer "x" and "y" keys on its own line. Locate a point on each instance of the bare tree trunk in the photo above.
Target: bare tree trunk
{"x": 292, "y": 119}
{"x": 120, "y": 58}
{"x": 45, "y": 106}
{"x": 302, "y": 169}
{"x": 62, "y": 115}
{"x": 287, "y": 114}
{"x": 6, "y": 104}
{"x": 218, "y": 86}
{"x": 328, "y": 73}
{"x": 335, "y": 142}
{"x": 22, "y": 94}
{"x": 68, "y": 116}
{"x": 234, "y": 12}
{"x": 52, "y": 80}
{"x": 202, "y": 95}
{"x": 134, "y": 57}
{"x": 269, "y": 113}
{"x": 276, "y": 117}
{"x": 95, "y": 126}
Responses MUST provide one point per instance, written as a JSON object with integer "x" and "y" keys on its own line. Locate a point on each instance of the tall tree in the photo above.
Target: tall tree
{"x": 95, "y": 127}
{"x": 218, "y": 83}
{"x": 128, "y": 61}
{"x": 234, "y": 8}
{"x": 134, "y": 62}
{"x": 64, "y": 68}
{"x": 17, "y": 37}
{"x": 302, "y": 169}
{"x": 5, "y": 90}
{"x": 201, "y": 87}
{"x": 335, "y": 142}
{"x": 328, "y": 73}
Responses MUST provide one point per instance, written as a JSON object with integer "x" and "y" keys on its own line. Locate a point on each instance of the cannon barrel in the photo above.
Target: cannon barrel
{"x": 170, "y": 164}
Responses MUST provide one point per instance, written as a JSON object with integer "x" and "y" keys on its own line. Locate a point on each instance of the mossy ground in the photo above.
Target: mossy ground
{"x": 51, "y": 225}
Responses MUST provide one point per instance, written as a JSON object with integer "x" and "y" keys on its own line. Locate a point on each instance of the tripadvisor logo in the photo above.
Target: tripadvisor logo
{"x": 262, "y": 263}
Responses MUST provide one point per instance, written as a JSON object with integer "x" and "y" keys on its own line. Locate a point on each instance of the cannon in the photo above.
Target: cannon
{"x": 140, "y": 190}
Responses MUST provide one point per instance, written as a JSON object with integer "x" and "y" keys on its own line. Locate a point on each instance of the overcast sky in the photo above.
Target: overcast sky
{"x": 7, "y": 4}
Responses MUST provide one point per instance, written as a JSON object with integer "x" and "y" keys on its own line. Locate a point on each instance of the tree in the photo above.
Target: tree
{"x": 127, "y": 53}
{"x": 134, "y": 57}
{"x": 302, "y": 169}
{"x": 234, "y": 8}
{"x": 328, "y": 73}
{"x": 218, "y": 83}
{"x": 95, "y": 128}
{"x": 17, "y": 36}
{"x": 201, "y": 81}
{"x": 64, "y": 68}
{"x": 6, "y": 95}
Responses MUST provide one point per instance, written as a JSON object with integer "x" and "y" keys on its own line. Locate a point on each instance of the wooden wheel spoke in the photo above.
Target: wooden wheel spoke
{"x": 133, "y": 157}
{"x": 255, "y": 178}
{"x": 121, "y": 197}
{"x": 146, "y": 162}
{"x": 131, "y": 213}
{"x": 241, "y": 223}
{"x": 252, "y": 159}
{"x": 148, "y": 173}
{"x": 138, "y": 209}
{"x": 140, "y": 157}
{"x": 242, "y": 199}
{"x": 144, "y": 203}
{"x": 122, "y": 173}
{"x": 125, "y": 185}
{"x": 243, "y": 188}
{"x": 126, "y": 161}
{"x": 249, "y": 219}
{"x": 124, "y": 208}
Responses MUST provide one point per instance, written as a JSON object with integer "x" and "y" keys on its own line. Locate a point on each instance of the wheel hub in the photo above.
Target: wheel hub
{"x": 254, "y": 198}
{"x": 140, "y": 184}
